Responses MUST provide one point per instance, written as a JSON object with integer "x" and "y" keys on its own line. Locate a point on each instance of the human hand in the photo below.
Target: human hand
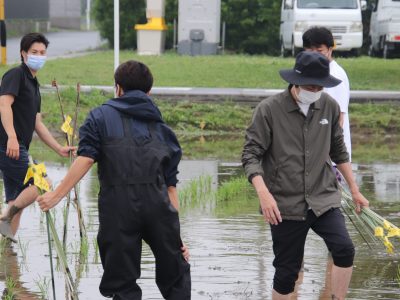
{"x": 269, "y": 208}
{"x": 12, "y": 148}
{"x": 65, "y": 151}
{"x": 185, "y": 252}
{"x": 359, "y": 200}
{"x": 48, "y": 200}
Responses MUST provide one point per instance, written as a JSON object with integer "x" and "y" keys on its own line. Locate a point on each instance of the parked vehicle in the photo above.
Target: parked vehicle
{"x": 384, "y": 33}
{"x": 342, "y": 17}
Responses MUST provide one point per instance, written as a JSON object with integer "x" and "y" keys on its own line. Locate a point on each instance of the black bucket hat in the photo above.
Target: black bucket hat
{"x": 311, "y": 68}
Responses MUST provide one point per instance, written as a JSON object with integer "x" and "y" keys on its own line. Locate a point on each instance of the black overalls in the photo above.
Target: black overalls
{"x": 134, "y": 205}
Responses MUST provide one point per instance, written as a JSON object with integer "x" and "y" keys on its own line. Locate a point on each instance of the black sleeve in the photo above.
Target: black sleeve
{"x": 171, "y": 168}
{"x": 11, "y": 82}
{"x": 89, "y": 137}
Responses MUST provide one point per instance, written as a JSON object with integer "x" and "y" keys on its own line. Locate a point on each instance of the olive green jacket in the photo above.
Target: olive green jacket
{"x": 293, "y": 153}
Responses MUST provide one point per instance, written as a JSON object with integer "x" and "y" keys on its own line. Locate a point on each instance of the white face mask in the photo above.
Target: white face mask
{"x": 307, "y": 97}
{"x": 35, "y": 62}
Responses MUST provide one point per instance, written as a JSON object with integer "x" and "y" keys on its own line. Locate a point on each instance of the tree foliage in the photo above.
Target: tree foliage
{"x": 131, "y": 13}
{"x": 252, "y": 26}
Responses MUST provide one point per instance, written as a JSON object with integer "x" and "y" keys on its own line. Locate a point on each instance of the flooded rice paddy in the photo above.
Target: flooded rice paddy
{"x": 231, "y": 249}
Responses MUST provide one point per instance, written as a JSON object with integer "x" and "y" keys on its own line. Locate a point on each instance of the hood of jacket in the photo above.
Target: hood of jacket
{"x": 136, "y": 104}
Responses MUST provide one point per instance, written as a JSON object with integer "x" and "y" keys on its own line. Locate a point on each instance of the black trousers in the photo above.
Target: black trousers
{"x": 289, "y": 238}
{"x": 128, "y": 215}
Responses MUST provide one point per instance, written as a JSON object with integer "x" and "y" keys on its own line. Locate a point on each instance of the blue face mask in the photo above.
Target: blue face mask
{"x": 35, "y": 62}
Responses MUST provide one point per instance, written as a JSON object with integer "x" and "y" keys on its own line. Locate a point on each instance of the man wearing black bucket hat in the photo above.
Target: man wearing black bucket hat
{"x": 287, "y": 157}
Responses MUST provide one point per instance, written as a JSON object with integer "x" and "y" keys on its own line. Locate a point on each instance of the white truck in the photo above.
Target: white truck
{"x": 342, "y": 17}
{"x": 384, "y": 33}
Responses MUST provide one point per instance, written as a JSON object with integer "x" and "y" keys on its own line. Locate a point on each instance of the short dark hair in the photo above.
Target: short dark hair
{"x": 29, "y": 39}
{"x": 133, "y": 75}
{"x": 317, "y": 36}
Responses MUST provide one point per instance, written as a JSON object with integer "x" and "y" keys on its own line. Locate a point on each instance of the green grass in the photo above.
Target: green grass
{"x": 43, "y": 284}
{"x": 375, "y": 127}
{"x": 11, "y": 289}
{"x": 196, "y": 191}
{"x": 375, "y": 116}
{"x": 241, "y": 71}
{"x": 234, "y": 188}
{"x": 200, "y": 117}
{"x": 231, "y": 198}
{"x": 228, "y": 117}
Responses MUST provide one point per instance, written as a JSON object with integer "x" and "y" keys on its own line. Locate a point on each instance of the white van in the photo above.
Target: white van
{"x": 384, "y": 32}
{"x": 341, "y": 17}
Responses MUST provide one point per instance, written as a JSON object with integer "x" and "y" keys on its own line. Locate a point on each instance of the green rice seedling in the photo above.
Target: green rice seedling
{"x": 81, "y": 262}
{"x": 23, "y": 246}
{"x": 372, "y": 227}
{"x": 11, "y": 288}
{"x": 43, "y": 284}
{"x": 64, "y": 212}
{"x": 398, "y": 275}
{"x": 3, "y": 245}
{"x": 84, "y": 248}
{"x": 233, "y": 188}
{"x": 96, "y": 251}
{"x": 196, "y": 190}
{"x": 53, "y": 213}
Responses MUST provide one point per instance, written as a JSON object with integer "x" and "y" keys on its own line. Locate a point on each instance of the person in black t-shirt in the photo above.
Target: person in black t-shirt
{"x": 20, "y": 102}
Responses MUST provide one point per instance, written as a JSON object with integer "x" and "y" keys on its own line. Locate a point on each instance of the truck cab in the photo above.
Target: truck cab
{"x": 341, "y": 17}
{"x": 384, "y": 33}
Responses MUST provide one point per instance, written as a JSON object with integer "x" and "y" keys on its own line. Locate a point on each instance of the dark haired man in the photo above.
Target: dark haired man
{"x": 20, "y": 114}
{"x": 137, "y": 156}
{"x": 320, "y": 39}
{"x": 287, "y": 156}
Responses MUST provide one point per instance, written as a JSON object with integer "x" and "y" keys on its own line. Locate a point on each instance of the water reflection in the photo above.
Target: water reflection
{"x": 230, "y": 244}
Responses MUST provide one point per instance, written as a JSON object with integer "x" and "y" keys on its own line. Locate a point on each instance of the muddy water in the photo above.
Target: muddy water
{"x": 230, "y": 244}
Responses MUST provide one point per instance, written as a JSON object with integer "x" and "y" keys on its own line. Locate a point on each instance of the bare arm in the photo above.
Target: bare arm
{"x": 173, "y": 197}
{"x": 358, "y": 198}
{"x": 45, "y": 135}
{"x": 7, "y": 120}
{"x": 78, "y": 169}
{"x": 268, "y": 204}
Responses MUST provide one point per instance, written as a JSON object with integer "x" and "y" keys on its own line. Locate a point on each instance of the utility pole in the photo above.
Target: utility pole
{"x": 116, "y": 34}
{"x": 88, "y": 12}
{"x": 3, "y": 34}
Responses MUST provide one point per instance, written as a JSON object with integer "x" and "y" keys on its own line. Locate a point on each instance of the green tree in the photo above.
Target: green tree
{"x": 252, "y": 26}
{"x": 171, "y": 14}
{"x": 131, "y": 12}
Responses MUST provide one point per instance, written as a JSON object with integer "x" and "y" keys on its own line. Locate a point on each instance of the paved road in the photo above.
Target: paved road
{"x": 62, "y": 44}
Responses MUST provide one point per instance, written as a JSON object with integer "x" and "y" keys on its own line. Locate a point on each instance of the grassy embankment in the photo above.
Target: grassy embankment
{"x": 379, "y": 120}
{"x": 214, "y": 71}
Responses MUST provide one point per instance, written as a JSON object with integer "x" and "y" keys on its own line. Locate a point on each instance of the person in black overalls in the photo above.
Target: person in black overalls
{"x": 137, "y": 156}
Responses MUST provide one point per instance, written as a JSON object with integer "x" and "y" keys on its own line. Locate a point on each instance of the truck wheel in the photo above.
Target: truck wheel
{"x": 284, "y": 52}
{"x": 371, "y": 50}
{"x": 294, "y": 50}
{"x": 385, "y": 52}
{"x": 355, "y": 52}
